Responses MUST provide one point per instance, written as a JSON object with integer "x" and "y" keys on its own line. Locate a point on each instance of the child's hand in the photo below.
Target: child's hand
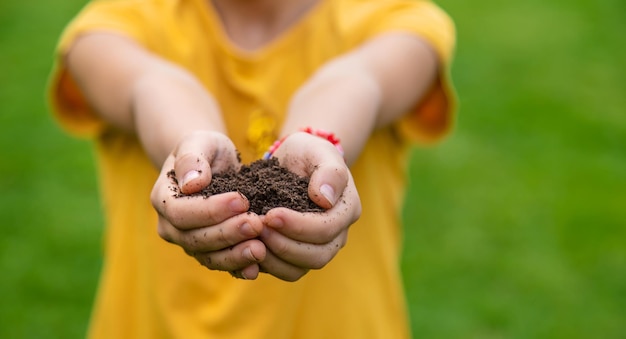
{"x": 298, "y": 242}
{"x": 216, "y": 231}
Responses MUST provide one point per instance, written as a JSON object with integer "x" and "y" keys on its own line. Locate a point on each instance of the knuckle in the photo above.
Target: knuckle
{"x": 328, "y": 229}
{"x": 190, "y": 241}
{"x": 206, "y": 261}
{"x": 281, "y": 249}
{"x": 295, "y": 276}
{"x": 357, "y": 213}
{"x": 158, "y": 201}
{"x": 329, "y": 251}
{"x": 221, "y": 238}
{"x": 209, "y": 215}
{"x": 214, "y": 261}
{"x": 176, "y": 217}
{"x": 324, "y": 258}
{"x": 329, "y": 234}
{"x": 343, "y": 240}
{"x": 319, "y": 263}
{"x": 343, "y": 173}
{"x": 228, "y": 259}
{"x": 154, "y": 198}
{"x": 162, "y": 230}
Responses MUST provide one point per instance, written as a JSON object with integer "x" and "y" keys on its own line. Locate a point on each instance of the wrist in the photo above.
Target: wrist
{"x": 323, "y": 134}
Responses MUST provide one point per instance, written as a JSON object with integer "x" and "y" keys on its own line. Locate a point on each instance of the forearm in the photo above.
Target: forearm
{"x": 140, "y": 93}
{"x": 345, "y": 102}
{"x": 366, "y": 89}
{"x": 168, "y": 105}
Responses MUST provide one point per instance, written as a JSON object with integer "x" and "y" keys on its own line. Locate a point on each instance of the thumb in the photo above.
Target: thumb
{"x": 199, "y": 155}
{"x": 309, "y": 155}
{"x": 328, "y": 182}
{"x": 193, "y": 172}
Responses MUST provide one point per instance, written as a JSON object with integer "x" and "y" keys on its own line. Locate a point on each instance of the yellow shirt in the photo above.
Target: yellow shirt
{"x": 152, "y": 289}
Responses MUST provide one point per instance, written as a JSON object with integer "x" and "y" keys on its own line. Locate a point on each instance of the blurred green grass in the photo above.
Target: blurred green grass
{"x": 49, "y": 212}
{"x": 514, "y": 225}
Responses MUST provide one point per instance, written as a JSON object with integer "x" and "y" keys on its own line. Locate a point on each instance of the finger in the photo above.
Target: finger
{"x": 251, "y": 272}
{"x": 199, "y": 155}
{"x": 192, "y": 172}
{"x": 187, "y": 213}
{"x": 235, "y": 258}
{"x": 248, "y": 273}
{"x": 299, "y": 254}
{"x": 327, "y": 183}
{"x": 232, "y": 231}
{"x": 281, "y": 269}
{"x": 316, "y": 228}
{"x": 321, "y": 162}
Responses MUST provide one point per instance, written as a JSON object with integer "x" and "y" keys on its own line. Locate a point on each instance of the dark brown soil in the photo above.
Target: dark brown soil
{"x": 266, "y": 185}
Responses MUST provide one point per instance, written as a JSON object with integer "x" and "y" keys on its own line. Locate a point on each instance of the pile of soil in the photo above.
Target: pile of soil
{"x": 265, "y": 183}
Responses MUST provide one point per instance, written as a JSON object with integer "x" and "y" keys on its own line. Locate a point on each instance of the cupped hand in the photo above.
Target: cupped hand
{"x": 217, "y": 231}
{"x": 298, "y": 242}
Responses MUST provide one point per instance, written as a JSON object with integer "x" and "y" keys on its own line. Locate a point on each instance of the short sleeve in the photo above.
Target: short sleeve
{"x": 434, "y": 116}
{"x": 66, "y": 101}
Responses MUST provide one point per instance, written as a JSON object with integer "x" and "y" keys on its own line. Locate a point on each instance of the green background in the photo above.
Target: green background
{"x": 515, "y": 225}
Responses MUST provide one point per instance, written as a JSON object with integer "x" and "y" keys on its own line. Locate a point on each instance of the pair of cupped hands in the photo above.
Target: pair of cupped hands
{"x": 221, "y": 234}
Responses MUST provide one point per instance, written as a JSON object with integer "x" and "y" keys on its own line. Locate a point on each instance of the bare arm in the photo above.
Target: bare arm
{"x": 179, "y": 125}
{"x": 350, "y": 96}
{"x": 365, "y": 89}
{"x": 140, "y": 93}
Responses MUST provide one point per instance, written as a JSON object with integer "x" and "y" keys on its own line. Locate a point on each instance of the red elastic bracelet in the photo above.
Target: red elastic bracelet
{"x": 317, "y": 132}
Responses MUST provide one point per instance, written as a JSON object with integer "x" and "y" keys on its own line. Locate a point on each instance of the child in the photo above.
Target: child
{"x": 186, "y": 85}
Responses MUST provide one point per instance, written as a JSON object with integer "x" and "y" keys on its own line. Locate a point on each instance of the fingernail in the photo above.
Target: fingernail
{"x": 189, "y": 176}
{"x": 275, "y": 223}
{"x": 329, "y": 193}
{"x": 247, "y": 253}
{"x": 243, "y": 275}
{"x": 247, "y": 230}
{"x": 237, "y": 205}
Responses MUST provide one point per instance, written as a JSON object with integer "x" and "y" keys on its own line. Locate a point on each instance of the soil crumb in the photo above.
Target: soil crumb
{"x": 265, "y": 183}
